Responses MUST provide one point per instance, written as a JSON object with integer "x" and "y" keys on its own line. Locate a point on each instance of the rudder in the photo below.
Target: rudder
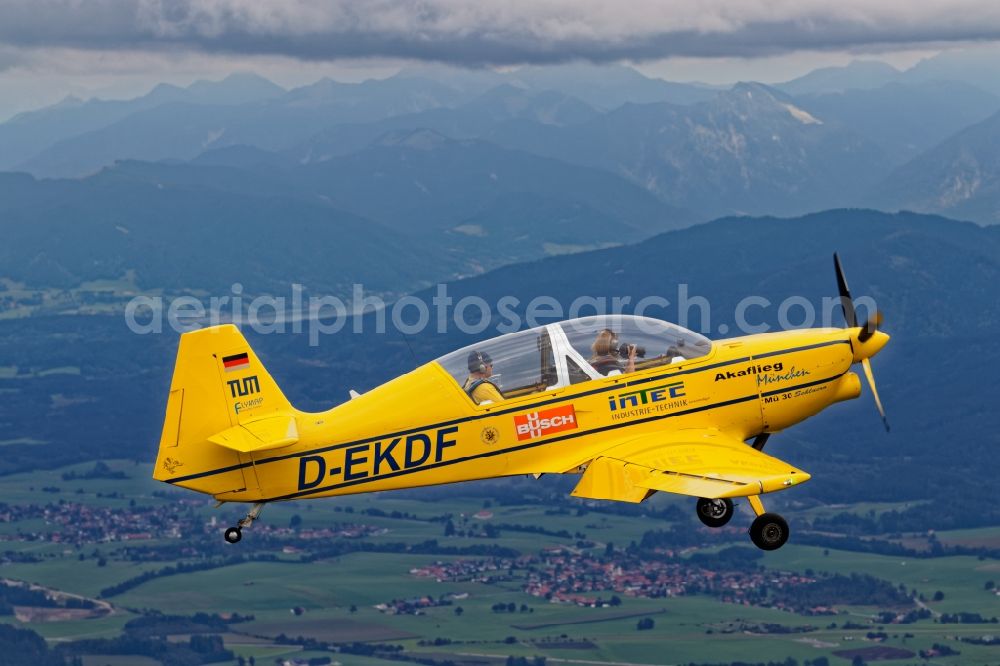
{"x": 223, "y": 405}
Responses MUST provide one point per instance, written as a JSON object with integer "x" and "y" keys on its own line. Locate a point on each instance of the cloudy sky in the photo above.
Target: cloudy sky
{"x": 50, "y": 48}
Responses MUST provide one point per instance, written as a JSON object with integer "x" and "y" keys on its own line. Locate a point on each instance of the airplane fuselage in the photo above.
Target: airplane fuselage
{"x": 421, "y": 428}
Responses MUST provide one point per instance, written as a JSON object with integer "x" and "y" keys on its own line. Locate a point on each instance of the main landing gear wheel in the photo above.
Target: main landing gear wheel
{"x": 715, "y": 512}
{"x": 769, "y": 531}
{"x": 233, "y": 535}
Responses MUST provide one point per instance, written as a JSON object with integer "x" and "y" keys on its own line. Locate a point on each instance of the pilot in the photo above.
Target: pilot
{"x": 478, "y": 385}
{"x": 606, "y": 356}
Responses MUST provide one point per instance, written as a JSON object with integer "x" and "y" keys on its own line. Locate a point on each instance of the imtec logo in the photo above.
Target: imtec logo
{"x": 646, "y": 396}
{"x": 545, "y": 422}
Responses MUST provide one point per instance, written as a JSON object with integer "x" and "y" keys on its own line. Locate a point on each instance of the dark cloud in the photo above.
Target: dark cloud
{"x": 483, "y": 32}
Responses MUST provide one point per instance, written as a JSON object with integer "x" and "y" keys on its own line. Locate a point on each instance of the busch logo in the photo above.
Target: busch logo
{"x": 545, "y": 422}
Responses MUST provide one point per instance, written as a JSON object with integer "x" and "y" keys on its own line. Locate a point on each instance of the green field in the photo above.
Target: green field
{"x": 118, "y": 660}
{"x": 335, "y": 598}
{"x": 988, "y": 537}
{"x": 961, "y": 579}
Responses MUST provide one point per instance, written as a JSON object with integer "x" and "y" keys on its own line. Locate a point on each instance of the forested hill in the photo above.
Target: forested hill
{"x": 935, "y": 279}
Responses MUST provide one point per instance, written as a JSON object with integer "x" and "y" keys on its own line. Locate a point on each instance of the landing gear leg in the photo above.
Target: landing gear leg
{"x": 234, "y": 534}
{"x": 715, "y": 512}
{"x": 769, "y": 531}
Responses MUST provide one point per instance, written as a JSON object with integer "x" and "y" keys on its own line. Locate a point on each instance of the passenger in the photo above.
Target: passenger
{"x": 606, "y": 358}
{"x": 478, "y": 385}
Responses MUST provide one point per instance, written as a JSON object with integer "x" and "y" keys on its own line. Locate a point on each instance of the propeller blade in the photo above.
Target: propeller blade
{"x": 845, "y": 294}
{"x": 871, "y": 382}
{"x": 872, "y": 325}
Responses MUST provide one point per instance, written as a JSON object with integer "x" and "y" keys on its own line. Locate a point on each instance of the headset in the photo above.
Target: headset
{"x": 478, "y": 361}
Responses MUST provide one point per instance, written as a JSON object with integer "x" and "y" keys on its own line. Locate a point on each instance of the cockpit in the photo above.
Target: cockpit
{"x": 570, "y": 352}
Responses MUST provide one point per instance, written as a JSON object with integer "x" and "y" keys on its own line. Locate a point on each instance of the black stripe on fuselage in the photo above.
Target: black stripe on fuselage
{"x": 510, "y": 410}
{"x": 521, "y": 447}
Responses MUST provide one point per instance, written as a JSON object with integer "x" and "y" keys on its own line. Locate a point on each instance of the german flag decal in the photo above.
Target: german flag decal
{"x": 236, "y": 362}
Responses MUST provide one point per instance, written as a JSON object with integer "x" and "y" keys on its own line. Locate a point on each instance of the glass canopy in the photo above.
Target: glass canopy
{"x": 571, "y": 352}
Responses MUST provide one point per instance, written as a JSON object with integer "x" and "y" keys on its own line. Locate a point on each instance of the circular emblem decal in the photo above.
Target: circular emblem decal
{"x": 490, "y": 435}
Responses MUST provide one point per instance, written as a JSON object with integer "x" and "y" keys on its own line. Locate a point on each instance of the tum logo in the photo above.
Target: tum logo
{"x": 239, "y": 388}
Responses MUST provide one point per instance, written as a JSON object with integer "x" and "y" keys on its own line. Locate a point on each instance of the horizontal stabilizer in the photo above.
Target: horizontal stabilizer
{"x": 273, "y": 432}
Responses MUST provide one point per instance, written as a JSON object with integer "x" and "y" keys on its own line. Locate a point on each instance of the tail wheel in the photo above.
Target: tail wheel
{"x": 769, "y": 531}
{"x": 715, "y": 512}
{"x": 233, "y": 535}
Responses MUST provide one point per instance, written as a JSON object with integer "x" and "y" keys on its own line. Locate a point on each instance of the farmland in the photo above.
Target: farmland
{"x": 452, "y": 575}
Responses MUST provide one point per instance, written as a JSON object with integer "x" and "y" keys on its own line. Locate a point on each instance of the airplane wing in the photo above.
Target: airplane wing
{"x": 698, "y": 462}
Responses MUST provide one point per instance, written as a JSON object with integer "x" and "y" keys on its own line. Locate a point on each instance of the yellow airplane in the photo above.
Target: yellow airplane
{"x": 633, "y": 405}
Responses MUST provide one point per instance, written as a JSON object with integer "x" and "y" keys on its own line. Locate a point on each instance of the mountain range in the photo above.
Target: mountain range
{"x": 854, "y": 135}
{"x": 749, "y": 149}
{"x": 413, "y": 209}
{"x": 960, "y": 177}
{"x": 28, "y": 134}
